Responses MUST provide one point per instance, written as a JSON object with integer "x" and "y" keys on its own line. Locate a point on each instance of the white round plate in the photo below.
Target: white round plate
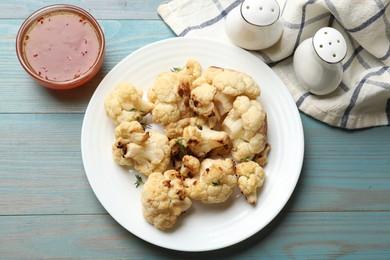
{"x": 203, "y": 227}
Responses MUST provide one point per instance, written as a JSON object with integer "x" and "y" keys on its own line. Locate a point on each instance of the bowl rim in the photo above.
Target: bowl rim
{"x": 72, "y": 83}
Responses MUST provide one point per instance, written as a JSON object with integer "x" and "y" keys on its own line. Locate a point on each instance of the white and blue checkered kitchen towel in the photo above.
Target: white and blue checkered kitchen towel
{"x": 363, "y": 98}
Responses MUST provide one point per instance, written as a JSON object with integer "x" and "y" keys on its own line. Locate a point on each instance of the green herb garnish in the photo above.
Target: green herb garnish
{"x": 176, "y": 69}
{"x": 247, "y": 159}
{"x": 179, "y": 142}
{"x": 138, "y": 181}
{"x": 216, "y": 183}
{"x": 137, "y": 110}
{"x": 143, "y": 124}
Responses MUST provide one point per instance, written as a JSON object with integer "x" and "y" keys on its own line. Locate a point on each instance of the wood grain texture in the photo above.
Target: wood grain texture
{"x": 344, "y": 170}
{"x": 339, "y": 209}
{"x": 297, "y": 236}
{"x": 41, "y": 170}
{"x": 101, "y": 9}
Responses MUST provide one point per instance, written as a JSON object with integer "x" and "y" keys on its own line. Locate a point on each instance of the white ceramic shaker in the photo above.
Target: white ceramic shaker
{"x": 254, "y": 24}
{"x": 317, "y": 61}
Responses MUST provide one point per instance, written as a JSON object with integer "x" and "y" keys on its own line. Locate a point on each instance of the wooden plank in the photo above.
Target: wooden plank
{"x": 292, "y": 235}
{"x": 100, "y": 9}
{"x": 344, "y": 170}
{"x": 122, "y": 38}
{"x": 41, "y": 170}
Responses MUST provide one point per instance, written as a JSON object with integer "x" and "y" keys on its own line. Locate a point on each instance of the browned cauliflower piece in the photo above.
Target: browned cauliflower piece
{"x": 202, "y": 141}
{"x": 262, "y": 157}
{"x": 192, "y": 70}
{"x": 235, "y": 83}
{"x": 247, "y": 128}
{"x": 221, "y": 152}
{"x": 190, "y": 166}
{"x": 164, "y": 199}
{"x": 125, "y": 103}
{"x": 175, "y": 129}
{"x": 250, "y": 177}
{"x": 164, "y": 113}
{"x": 214, "y": 183}
{"x": 181, "y": 157}
{"x": 228, "y": 85}
{"x": 145, "y": 151}
{"x": 125, "y": 133}
{"x": 202, "y": 103}
{"x": 207, "y": 76}
{"x": 178, "y": 151}
{"x": 170, "y": 94}
{"x": 221, "y": 102}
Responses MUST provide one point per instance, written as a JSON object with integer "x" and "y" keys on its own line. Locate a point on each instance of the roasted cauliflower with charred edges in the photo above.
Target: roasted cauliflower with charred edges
{"x": 214, "y": 183}
{"x": 164, "y": 199}
{"x": 125, "y": 104}
{"x": 147, "y": 152}
{"x": 214, "y": 138}
{"x": 250, "y": 177}
{"x": 246, "y": 125}
{"x": 170, "y": 93}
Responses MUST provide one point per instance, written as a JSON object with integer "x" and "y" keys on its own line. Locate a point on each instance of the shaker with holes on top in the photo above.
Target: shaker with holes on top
{"x": 254, "y": 24}
{"x": 317, "y": 61}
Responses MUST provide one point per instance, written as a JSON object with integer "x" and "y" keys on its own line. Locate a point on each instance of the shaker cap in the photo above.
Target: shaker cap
{"x": 260, "y": 12}
{"x": 330, "y": 45}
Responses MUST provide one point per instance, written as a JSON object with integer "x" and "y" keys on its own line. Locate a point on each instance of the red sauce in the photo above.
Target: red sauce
{"x": 61, "y": 46}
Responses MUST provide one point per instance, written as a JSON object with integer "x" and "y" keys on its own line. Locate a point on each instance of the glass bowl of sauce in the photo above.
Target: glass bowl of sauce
{"x": 61, "y": 46}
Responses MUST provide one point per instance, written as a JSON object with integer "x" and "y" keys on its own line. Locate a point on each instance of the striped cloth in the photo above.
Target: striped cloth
{"x": 363, "y": 98}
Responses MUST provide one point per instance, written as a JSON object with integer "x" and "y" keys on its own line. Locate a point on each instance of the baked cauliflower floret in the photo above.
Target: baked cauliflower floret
{"x": 206, "y": 77}
{"x": 250, "y": 177}
{"x": 145, "y": 151}
{"x": 178, "y": 151}
{"x": 125, "y": 103}
{"x": 235, "y": 83}
{"x": 126, "y": 133}
{"x": 164, "y": 199}
{"x": 202, "y": 103}
{"x": 165, "y": 112}
{"x": 175, "y": 129}
{"x": 221, "y": 102}
{"x": 190, "y": 166}
{"x": 170, "y": 94}
{"x": 262, "y": 157}
{"x": 243, "y": 151}
{"x": 228, "y": 85}
{"x": 202, "y": 141}
{"x": 192, "y": 70}
{"x": 246, "y": 125}
{"x": 214, "y": 182}
{"x": 202, "y": 98}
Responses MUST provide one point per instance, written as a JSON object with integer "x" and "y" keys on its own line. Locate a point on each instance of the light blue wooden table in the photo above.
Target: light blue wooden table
{"x": 340, "y": 208}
